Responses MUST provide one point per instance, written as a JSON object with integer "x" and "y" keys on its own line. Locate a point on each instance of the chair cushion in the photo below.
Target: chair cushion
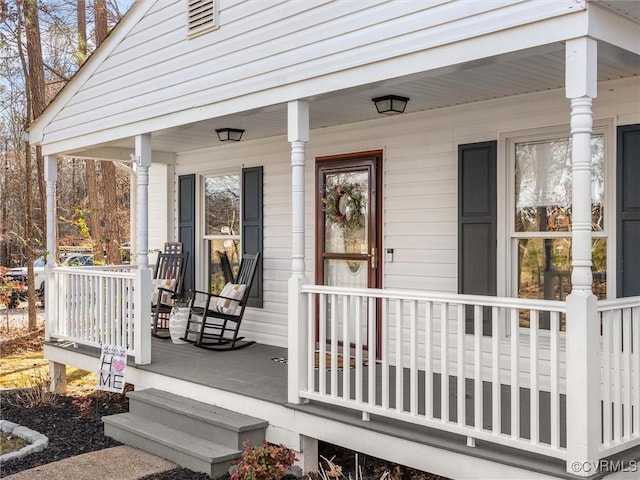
{"x": 156, "y": 284}
{"x": 233, "y": 291}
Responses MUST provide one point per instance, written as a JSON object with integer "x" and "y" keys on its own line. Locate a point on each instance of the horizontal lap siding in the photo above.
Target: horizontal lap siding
{"x": 158, "y": 199}
{"x": 259, "y": 46}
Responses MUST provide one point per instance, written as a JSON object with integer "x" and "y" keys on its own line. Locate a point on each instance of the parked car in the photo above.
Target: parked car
{"x": 78, "y": 260}
{"x": 18, "y": 275}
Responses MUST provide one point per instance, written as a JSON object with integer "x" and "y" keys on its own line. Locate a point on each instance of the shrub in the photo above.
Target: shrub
{"x": 33, "y": 389}
{"x": 263, "y": 462}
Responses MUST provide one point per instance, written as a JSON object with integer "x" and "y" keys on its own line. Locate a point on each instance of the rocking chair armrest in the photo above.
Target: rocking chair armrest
{"x": 209, "y": 295}
{"x": 167, "y": 290}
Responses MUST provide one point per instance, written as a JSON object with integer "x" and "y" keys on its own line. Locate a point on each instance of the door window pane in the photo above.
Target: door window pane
{"x": 346, "y": 208}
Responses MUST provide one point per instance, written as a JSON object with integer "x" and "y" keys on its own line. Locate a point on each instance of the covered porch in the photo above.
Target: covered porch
{"x": 441, "y": 377}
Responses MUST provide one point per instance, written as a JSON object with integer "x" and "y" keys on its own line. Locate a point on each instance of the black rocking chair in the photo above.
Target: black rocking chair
{"x": 168, "y": 280}
{"x": 214, "y": 320}
{"x": 225, "y": 266}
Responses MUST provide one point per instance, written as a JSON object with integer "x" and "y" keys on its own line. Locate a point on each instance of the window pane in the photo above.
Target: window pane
{"x": 543, "y": 185}
{"x": 544, "y": 268}
{"x": 216, "y": 274}
{"x": 222, "y": 205}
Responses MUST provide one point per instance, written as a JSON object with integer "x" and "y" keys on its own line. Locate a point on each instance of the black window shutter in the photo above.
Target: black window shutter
{"x": 477, "y": 215}
{"x": 252, "y": 225}
{"x": 186, "y": 224}
{"x": 628, "y": 211}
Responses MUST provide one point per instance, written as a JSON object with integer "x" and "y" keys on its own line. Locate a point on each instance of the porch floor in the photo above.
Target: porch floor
{"x": 254, "y": 373}
{"x": 250, "y": 371}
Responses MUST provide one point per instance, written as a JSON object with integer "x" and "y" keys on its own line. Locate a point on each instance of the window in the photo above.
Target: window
{"x": 222, "y": 224}
{"x": 541, "y": 233}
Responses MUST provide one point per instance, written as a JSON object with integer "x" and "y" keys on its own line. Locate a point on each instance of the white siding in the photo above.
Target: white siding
{"x": 262, "y": 48}
{"x": 161, "y": 209}
{"x": 420, "y": 186}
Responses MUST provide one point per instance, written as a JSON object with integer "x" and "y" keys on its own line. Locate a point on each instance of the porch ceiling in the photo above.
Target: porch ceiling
{"x": 536, "y": 70}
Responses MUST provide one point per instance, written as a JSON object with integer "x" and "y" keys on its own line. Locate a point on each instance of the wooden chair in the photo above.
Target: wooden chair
{"x": 214, "y": 320}
{"x": 167, "y": 283}
{"x": 225, "y": 265}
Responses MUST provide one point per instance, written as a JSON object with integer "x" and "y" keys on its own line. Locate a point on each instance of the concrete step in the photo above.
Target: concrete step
{"x": 186, "y": 450}
{"x": 199, "y": 419}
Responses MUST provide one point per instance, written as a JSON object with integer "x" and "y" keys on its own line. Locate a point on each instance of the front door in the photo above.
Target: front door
{"x": 348, "y": 233}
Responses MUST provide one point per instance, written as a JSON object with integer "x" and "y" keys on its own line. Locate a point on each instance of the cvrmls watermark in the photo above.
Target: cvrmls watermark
{"x": 606, "y": 466}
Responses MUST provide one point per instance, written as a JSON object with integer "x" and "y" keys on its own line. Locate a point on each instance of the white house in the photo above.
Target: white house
{"x": 485, "y": 242}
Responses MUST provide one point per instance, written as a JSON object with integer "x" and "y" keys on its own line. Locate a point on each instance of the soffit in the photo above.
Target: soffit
{"x": 493, "y": 78}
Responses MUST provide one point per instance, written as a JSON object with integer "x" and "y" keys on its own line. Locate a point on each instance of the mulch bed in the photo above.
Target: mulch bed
{"x": 70, "y": 432}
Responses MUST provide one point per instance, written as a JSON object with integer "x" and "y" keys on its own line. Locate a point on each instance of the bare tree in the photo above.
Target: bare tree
{"x": 48, "y": 28}
{"x": 90, "y": 167}
{"x": 34, "y": 73}
{"x": 110, "y": 212}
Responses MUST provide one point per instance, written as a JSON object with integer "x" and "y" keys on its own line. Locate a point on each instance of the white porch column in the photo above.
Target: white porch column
{"x": 583, "y": 346}
{"x": 57, "y": 371}
{"x": 298, "y": 135}
{"x": 50, "y": 177}
{"x": 142, "y": 307}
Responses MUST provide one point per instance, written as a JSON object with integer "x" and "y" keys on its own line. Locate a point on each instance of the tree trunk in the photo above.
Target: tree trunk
{"x": 37, "y": 88}
{"x": 95, "y": 224}
{"x": 100, "y": 8}
{"x": 28, "y": 227}
{"x": 82, "y": 32}
{"x": 111, "y": 224}
{"x": 34, "y": 74}
{"x": 90, "y": 167}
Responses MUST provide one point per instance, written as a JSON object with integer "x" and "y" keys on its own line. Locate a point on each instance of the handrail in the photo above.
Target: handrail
{"x": 618, "y": 303}
{"x": 485, "y": 301}
{"x": 98, "y": 271}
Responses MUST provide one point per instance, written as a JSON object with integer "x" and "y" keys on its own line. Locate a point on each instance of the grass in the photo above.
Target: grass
{"x": 11, "y": 443}
{"x": 23, "y": 365}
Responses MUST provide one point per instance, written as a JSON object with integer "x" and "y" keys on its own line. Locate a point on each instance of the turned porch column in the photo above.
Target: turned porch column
{"x": 142, "y": 305}
{"x": 298, "y": 321}
{"x": 50, "y": 177}
{"x": 583, "y": 343}
{"x": 57, "y": 371}
{"x": 298, "y": 135}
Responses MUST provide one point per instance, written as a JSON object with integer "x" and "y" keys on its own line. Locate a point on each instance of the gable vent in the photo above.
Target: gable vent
{"x": 202, "y": 16}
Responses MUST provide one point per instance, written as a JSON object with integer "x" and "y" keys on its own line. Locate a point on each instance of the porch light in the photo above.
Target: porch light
{"x": 229, "y": 134}
{"x": 390, "y": 104}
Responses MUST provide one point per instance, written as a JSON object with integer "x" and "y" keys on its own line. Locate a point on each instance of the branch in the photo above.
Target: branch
{"x": 57, "y": 73}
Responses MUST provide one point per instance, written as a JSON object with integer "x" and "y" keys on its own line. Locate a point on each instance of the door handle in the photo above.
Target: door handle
{"x": 374, "y": 257}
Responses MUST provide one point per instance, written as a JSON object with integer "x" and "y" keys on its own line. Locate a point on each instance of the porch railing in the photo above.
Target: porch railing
{"x": 458, "y": 363}
{"x": 620, "y": 390}
{"x": 93, "y": 305}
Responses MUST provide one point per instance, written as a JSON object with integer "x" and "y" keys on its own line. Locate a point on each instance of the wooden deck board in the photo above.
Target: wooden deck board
{"x": 249, "y": 371}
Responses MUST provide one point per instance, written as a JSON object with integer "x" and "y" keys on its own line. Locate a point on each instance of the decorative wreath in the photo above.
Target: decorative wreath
{"x": 344, "y": 205}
